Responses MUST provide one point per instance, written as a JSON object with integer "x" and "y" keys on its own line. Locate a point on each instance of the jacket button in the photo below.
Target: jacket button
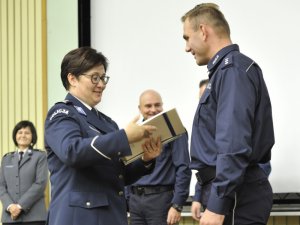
{"x": 88, "y": 204}
{"x": 119, "y": 153}
{"x": 121, "y": 193}
{"x": 120, "y": 176}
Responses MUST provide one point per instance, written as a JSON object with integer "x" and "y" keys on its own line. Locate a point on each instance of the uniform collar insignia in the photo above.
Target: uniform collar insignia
{"x": 80, "y": 110}
{"x": 214, "y": 62}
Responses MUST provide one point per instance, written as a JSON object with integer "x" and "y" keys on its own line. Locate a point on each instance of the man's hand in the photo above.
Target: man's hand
{"x": 196, "y": 210}
{"x": 173, "y": 216}
{"x": 211, "y": 218}
{"x": 152, "y": 148}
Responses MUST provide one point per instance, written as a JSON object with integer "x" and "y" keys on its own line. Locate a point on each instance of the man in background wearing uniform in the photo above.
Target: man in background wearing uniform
{"x": 202, "y": 87}
{"x": 158, "y": 198}
{"x": 233, "y": 129}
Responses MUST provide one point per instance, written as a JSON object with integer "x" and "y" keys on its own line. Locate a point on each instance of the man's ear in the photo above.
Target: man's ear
{"x": 204, "y": 31}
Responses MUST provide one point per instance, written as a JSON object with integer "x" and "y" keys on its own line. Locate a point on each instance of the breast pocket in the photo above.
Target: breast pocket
{"x": 203, "y": 109}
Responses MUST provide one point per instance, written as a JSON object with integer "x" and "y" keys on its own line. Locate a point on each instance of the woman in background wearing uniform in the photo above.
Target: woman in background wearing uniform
{"x": 23, "y": 179}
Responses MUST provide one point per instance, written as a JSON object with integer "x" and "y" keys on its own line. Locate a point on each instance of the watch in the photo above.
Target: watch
{"x": 177, "y": 207}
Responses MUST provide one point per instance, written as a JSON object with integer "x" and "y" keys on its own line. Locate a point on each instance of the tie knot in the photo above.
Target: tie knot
{"x": 94, "y": 111}
{"x": 21, "y": 155}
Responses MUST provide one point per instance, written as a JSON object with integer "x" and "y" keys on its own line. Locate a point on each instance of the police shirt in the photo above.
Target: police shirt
{"x": 232, "y": 127}
{"x": 172, "y": 169}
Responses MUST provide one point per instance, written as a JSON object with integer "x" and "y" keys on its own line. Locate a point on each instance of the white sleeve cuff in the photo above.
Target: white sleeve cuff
{"x": 92, "y": 144}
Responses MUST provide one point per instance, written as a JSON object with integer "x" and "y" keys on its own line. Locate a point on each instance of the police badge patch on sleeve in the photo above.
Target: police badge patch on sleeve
{"x": 59, "y": 111}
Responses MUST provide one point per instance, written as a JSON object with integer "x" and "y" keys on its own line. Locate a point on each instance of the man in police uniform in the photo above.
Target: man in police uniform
{"x": 266, "y": 167}
{"x": 85, "y": 148}
{"x": 232, "y": 129}
{"x": 158, "y": 198}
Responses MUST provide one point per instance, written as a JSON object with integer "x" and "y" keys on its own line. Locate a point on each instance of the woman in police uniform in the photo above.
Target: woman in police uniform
{"x": 23, "y": 179}
{"x": 85, "y": 148}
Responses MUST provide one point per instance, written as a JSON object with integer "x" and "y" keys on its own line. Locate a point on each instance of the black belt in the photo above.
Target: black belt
{"x": 139, "y": 190}
{"x": 206, "y": 175}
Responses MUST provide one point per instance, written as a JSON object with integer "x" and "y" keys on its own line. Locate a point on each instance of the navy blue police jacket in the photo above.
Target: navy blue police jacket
{"x": 86, "y": 172}
{"x": 232, "y": 127}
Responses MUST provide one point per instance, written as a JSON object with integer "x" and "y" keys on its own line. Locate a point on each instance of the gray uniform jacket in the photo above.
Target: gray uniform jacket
{"x": 24, "y": 184}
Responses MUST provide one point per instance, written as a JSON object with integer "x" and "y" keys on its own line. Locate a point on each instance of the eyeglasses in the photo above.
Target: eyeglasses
{"x": 96, "y": 78}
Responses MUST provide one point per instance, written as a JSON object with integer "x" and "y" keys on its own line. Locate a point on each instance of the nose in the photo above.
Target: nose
{"x": 101, "y": 84}
{"x": 153, "y": 109}
{"x": 187, "y": 48}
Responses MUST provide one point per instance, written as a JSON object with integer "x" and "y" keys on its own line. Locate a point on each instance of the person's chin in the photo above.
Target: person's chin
{"x": 200, "y": 63}
{"x": 98, "y": 96}
{"x": 97, "y": 100}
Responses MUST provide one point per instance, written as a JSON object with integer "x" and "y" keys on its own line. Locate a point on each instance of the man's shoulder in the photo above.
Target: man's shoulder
{"x": 236, "y": 59}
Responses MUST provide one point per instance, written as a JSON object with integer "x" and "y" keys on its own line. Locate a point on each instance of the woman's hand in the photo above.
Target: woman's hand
{"x": 15, "y": 211}
{"x": 137, "y": 132}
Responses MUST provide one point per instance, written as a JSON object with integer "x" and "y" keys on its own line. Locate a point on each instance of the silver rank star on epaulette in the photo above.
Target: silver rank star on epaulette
{"x": 227, "y": 62}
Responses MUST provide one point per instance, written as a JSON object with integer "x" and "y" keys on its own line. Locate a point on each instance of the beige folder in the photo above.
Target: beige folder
{"x": 169, "y": 127}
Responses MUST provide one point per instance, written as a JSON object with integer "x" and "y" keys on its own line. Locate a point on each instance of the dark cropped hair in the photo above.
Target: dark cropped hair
{"x": 24, "y": 124}
{"x": 80, "y": 60}
{"x": 208, "y": 13}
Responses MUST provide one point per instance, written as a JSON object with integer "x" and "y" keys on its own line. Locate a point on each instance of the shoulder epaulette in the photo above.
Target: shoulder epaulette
{"x": 227, "y": 62}
{"x": 67, "y": 102}
{"x": 9, "y": 153}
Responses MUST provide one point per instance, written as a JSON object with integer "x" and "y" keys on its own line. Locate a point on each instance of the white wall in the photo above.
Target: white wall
{"x": 143, "y": 42}
{"x": 62, "y": 37}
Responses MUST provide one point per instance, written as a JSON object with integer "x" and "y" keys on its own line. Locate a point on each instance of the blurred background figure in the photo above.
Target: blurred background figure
{"x": 23, "y": 179}
{"x": 202, "y": 86}
{"x": 158, "y": 198}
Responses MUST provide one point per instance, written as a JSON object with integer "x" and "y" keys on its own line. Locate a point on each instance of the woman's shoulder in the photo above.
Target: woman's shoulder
{"x": 36, "y": 151}
{"x": 8, "y": 155}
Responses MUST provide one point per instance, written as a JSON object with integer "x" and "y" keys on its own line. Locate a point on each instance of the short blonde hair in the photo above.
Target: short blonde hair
{"x": 208, "y": 13}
